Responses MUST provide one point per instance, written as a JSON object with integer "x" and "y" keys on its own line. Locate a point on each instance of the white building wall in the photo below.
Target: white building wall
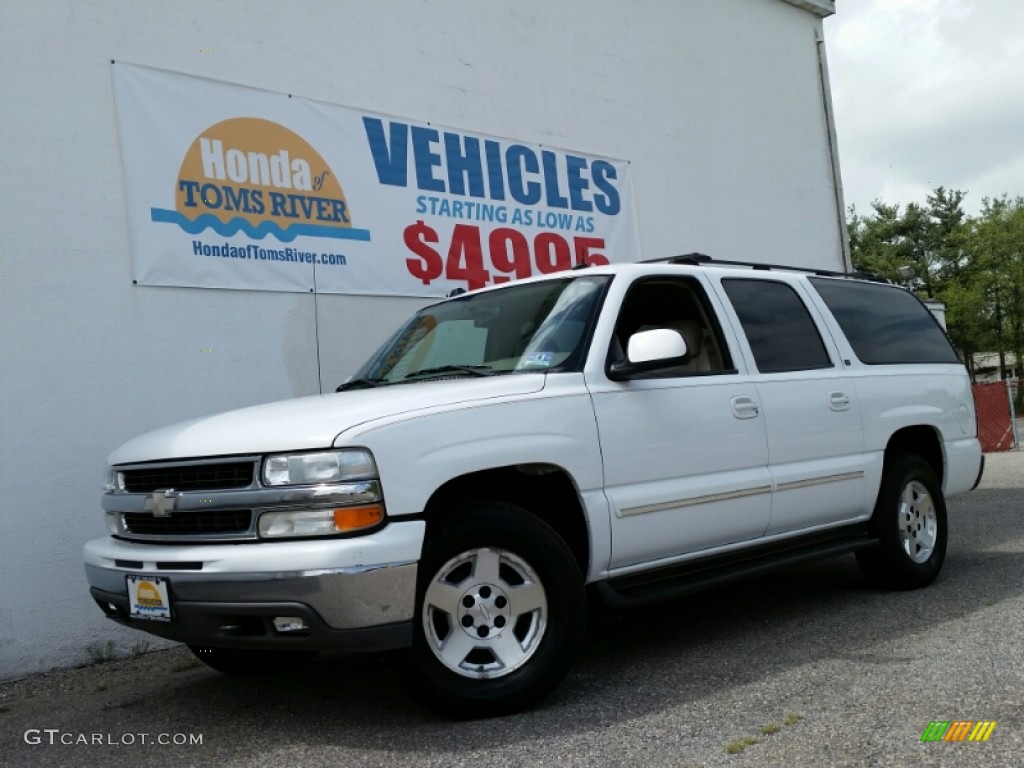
{"x": 717, "y": 104}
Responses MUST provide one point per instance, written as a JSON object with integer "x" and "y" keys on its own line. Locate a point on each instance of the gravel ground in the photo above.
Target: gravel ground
{"x": 808, "y": 664}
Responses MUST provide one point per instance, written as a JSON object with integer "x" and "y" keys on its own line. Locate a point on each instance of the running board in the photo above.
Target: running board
{"x": 704, "y": 573}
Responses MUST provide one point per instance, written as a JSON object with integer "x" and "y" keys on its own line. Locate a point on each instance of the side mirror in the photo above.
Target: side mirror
{"x": 649, "y": 350}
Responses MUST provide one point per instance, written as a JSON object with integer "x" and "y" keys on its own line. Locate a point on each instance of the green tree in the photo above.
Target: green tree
{"x": 997, "y": 242}
{"x": 921, "y": 247}
{"x": 975, "y": 266}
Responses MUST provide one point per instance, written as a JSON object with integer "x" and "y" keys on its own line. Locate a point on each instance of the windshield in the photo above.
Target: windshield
{"x": 520, "y": 329}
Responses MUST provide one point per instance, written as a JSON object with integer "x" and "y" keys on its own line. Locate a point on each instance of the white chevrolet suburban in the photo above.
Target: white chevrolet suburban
{"x": 635, "y": 430}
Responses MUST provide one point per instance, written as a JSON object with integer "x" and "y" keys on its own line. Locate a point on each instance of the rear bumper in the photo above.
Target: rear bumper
{"x": 981, "y": 471}
{"x": 964, "y": 462}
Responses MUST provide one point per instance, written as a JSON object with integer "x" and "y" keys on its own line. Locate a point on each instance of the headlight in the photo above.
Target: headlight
{"x": 111, "y": 520}
{"x": 319, "y": 522}
{"x": 316, "y": 468}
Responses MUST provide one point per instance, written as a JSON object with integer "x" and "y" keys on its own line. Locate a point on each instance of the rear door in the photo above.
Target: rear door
{"x": 811, "y": 411}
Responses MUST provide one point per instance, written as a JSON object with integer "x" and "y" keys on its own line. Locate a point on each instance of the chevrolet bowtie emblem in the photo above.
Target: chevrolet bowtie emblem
{"x": 161, "y": 503}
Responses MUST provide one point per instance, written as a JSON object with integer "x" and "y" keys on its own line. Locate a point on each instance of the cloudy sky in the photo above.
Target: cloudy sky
{"x": 928, "y": 93}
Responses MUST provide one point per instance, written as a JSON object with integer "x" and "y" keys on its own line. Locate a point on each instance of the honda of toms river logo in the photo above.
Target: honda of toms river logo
{"x": 254, "y": 176}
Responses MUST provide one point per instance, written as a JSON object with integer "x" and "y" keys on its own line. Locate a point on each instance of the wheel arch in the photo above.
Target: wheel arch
{"x": 921, "y": 440}
{"x": 545, "y": 490}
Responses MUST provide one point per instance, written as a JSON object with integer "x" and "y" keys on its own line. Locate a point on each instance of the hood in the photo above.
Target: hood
{"x": 312, "y": 422}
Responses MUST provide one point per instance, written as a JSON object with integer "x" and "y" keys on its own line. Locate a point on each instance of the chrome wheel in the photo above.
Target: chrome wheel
{"x": 484, "y": 613}
{"x": 918, "y": 523}
{"x": 909, "y": 523}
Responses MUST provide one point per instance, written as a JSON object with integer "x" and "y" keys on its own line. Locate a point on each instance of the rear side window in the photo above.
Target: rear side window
{"x": 778, "y": 327}
{"x": 885, "y": 324}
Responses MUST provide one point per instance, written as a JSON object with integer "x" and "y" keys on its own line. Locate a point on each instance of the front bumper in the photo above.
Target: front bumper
{"x": 353, "y": 594}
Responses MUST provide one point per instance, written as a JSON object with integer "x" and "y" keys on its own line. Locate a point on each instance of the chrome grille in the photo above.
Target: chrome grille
{"x": 189, "y": 477}
{"x": 189, "y": 523}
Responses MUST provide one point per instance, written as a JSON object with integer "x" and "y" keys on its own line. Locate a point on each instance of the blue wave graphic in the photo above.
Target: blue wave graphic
{"x": 237, "y": 224}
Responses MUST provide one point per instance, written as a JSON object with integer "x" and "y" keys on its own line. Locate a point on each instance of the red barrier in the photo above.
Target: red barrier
{"x": 995, "y": 424}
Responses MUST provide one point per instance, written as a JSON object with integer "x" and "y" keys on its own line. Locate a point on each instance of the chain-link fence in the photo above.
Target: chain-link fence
{"x": 996, "y": 430}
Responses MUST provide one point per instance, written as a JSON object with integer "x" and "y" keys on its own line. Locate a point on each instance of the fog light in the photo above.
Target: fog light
{"x": 297, "y": 523}
{"x": 285, "y": 624}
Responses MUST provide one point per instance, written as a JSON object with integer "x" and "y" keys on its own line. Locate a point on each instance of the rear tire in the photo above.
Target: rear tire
{"x": 500, "y": 609}
{"x": 910, "y": 523}
{"x": 245, "y": 662}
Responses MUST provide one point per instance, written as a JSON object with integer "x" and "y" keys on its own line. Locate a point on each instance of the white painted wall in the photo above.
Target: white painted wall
{"x": 717, "y": 103}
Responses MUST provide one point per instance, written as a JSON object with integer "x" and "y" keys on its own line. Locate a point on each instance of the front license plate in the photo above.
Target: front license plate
{"x": 148, "y": 598}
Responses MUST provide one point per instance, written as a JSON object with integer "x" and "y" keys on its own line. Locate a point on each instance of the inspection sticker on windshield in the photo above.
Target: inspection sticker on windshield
{"x": 147, "y": 597}
{"x": 539, "y": 359}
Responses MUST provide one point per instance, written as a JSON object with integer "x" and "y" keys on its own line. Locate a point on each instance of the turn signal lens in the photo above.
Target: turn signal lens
{"x": 354, "y": 518}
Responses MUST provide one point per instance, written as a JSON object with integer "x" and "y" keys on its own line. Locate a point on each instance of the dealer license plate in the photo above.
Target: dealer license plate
{"x": 148, "y": 598}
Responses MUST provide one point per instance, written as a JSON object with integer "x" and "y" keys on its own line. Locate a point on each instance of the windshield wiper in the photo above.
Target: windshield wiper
{"x": 476, "y": 370}
{"x": 360, "y": 384}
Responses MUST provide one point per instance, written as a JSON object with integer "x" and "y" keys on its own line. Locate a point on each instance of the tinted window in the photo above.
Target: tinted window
{"x": 778, "y": 327}
{"x": 885, "y": 324}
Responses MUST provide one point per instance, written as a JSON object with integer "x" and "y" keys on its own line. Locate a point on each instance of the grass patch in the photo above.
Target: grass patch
{"x": 4, "y": 709}
{"x": 186, "y": 665}
{"x": 140, "y": 647}
{"x": 771, "y": 728}
{"x": 101, "y": 653}
{"x": 735, "y": 747}
{"x": 793, "y": 718}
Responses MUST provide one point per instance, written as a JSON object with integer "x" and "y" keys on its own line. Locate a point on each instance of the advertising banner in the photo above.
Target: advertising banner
{"x": 235, "y": 187}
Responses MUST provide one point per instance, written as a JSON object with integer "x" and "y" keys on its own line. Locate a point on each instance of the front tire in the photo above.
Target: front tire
{"x": 910, "y": 523}
{"x": 500, "y": 610}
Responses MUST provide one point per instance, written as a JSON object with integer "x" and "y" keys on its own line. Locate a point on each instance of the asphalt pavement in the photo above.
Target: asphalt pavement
{"x": 805, "y": 667}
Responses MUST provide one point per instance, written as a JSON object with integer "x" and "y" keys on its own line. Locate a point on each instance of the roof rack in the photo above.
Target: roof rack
{"x": 698, "y": 259}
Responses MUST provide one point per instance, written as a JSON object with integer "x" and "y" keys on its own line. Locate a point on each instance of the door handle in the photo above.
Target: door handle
{"x": 838, "y": 401}
{"x": 744, "y": 407}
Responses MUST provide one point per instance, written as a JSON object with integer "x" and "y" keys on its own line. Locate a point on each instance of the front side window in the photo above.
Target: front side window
{"x": 678, "y": 304}
{"x": 781, "y": 333}
{"x": 885, "y": 324}
{"x": 533, "y": 327}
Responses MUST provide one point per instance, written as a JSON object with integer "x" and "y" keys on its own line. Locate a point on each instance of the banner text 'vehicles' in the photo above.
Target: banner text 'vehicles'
{"x": 452, "y": 163}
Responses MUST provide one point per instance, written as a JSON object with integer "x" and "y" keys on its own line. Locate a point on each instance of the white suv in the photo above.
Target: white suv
{"x": 640, "y": 429}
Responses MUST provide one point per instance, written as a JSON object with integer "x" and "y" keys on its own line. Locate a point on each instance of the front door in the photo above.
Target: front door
{"x": 684, "y": 448}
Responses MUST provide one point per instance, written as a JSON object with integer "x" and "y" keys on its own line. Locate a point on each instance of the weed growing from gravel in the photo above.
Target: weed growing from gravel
{"x": 793, "y": 718}
{"x": 771, "y": 728}
{"x": 101, "y": 653}
{"x": 735, "y": 747}
{"x": 186, "y": 665}
{"x": 140, "y": 647}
